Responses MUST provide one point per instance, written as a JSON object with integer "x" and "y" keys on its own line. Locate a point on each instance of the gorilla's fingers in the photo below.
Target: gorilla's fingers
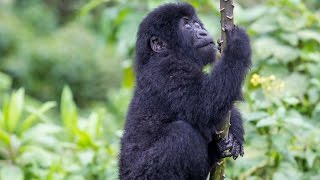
{"x": 224, "y": 145}
{"x": 237, "y": 151}
{"x": 226, "y": 154}
{"x": 241, "y": 151}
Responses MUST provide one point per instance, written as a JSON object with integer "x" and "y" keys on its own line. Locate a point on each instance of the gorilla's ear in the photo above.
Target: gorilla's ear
{"x": 157, "y": 45}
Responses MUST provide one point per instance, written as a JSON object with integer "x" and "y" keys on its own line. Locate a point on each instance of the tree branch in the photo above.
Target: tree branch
{"x": 226, "y": 10}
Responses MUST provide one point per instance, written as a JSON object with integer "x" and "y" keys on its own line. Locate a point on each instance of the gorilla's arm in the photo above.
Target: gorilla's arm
{"x": 236, "y": 127}
{"x": 236, "y": 132}
{"x": 201, "y": 99}
{"x": 223, "y": 87}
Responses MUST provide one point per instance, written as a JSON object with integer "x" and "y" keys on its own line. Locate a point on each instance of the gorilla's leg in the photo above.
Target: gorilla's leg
{"x": 180, "y": 154}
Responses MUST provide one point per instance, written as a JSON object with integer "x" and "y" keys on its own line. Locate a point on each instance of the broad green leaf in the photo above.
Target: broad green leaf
{"x": 262, "y": 47}
{"x": 278, "y": 70}
{"x": 313, "y": 95}
{"x": 250, "y": 14}
{"x": 290, "y": 24}
{"x": 292, "y": 38}
{"x": 287, "y": 171}
{"x": 268, "y": 121}
{"x": 296, "y": 84}
{"x": 256, "y": 116}
{"x": 310, "y": 56}
{"x": 291, "y": 100}
{"x": 267, "y": 47}
{"x": 285, "y": 53}
{"x": 11, "y": 172}
{"x": 296, "y": 119}
{"x": 263, "y": 25}
{"x": 308, "y": 34}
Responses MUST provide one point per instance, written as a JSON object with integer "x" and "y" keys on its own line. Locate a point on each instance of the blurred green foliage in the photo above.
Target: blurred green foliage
{"x": 89, "y": 46}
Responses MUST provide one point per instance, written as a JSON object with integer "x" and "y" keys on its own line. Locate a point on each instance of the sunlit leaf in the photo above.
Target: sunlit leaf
{"x": 69, "y": 112}
{"x": 296, "y": 84}
{"x": 13, "y": 109}
{"x": 289, "y": 24}
{"x": 4, "y": 137}
{"x": 292, "y": 39}
{"x": 291, "y": 100}
{"x": 263, "y": 25}
{"x": 251, "y": 13}
{"x": 268, "y": 121}
{"x": 307, "y": 35}
{"x": 296, "y": 119}
{"x": 256, "y": 116}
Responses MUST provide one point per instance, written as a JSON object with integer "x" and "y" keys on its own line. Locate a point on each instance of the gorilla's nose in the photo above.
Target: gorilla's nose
{"x": 202, "y": 33}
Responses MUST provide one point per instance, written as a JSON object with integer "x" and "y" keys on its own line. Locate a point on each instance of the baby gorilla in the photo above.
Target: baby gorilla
{"x": 170, "y": 127}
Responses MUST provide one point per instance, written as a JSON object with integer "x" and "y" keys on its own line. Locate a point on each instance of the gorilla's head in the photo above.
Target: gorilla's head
{"x": 174, "y": 29}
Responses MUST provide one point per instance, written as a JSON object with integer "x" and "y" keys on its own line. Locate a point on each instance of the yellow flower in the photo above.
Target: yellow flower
{"x": 255, "y": 80}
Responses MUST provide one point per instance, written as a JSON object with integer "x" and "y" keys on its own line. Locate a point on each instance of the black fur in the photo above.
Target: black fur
{"x": 169, "y": 127}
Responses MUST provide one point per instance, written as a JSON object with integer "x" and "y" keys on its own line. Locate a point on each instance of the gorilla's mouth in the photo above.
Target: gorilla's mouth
{"x": 205, "y": 44}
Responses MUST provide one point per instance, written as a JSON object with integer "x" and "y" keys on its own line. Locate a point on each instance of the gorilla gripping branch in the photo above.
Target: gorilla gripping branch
{"x": 170, "y": 129}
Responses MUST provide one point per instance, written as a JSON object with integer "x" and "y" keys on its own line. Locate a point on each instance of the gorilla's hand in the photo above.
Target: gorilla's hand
{"x": 229, "y": 146}
{"x": 238, "y": 43}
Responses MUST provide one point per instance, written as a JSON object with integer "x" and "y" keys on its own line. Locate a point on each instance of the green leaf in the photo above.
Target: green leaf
{"x": 310, "y": 157}
{"x": 86, "y": 157}
{"x": 289, "y": 24}
{"x": 256, "y": 116}
{"x": 292, "y": 39}
{"x": 264, "y": 25}
{"x": 69, "y": 112}
{"x": 268, "y": 121}
{"x": 297, "y": 120}
{"x": 263, "y": 47}
{"x": 251, "y": 14}
{"x": 12, "y": 110}
{"x": 267, "y": 46}
{"x": 285, "y": 53}
{"x": 4, "y": 137}
{"x": 32, "y": 118}
{"x": 296, "y": 84}
{"x": 11, "y": 172}
{"x": 308, "y": 35}
{"x": 291, "y": 100}
{"x": 128, "y": 75}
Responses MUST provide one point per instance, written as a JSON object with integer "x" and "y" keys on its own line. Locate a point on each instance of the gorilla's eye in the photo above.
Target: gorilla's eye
{"x": 197, "y": 25}
{"x": 188, "y": 26}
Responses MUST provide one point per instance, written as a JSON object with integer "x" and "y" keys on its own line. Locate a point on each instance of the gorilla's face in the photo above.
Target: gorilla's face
{"x": 179, "y": 32}
{"x": 196, "y": 41}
